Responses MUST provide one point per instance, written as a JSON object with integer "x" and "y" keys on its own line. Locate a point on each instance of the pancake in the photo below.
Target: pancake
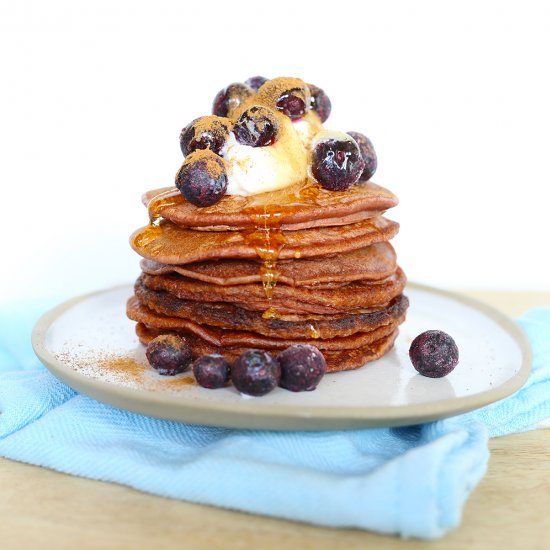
{"x": 228, "y": 316}
{"x": 170, "y": 244}
{"x": 287, "y": 299}
{"x": 228, "y": 338}
{"x": 336, "y": 360}
{"x": 377, "y": 261}
{"x": 298, "y": 207}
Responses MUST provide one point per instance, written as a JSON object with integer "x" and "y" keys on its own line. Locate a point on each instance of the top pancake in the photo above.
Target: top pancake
{"x": 292, "y": 208}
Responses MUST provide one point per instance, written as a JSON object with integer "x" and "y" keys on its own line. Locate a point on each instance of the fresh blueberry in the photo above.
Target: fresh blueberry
{"x": 336, "y": 161}
{"x": 169, "y": 354}
{"x": 302, "y": 367}
{"x": 256, "y": 372}
{"x": 211, "y": 371}
{"x": 228, "y": 99}
{"x": 293, "y": 103}
{"x": 207, "y": 132}
{"x": 255, "y": 82}
{"x": 320, "y": 102}
{"x": 434, "y": 353}
{"x": 256, "y": 127}
{"x": 368, "y": 154}
{"x": 202, "y": 178}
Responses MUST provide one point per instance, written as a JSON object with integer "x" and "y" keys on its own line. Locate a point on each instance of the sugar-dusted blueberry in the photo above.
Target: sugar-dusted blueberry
{"x": 169, "y": 354}
{"x": 257, "y": 127}
{"x": 256, "y": 82}
{"x": 256, "y": 372}
{"x": 228, "y": 99}
{"x": 202, "y": 178}
{"x": 368, "y": 154}
{"x": 293, "y": 103}
{"x": 302, "y": 367}
{"x": 211, "y": 371}
{"x": 320, "y": 102}
{"x": 336, "y": 160}
{"x": 207, "y": 132}
{"x": 434, "y": 353}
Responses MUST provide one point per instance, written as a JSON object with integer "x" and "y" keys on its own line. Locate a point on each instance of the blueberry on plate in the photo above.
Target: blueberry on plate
{"x": 169, "y": 354}
{"x": 228, "y": 99}
{"x": 336, "y": 160}
{"x": 256, "y": 372}
{"x": 256, "y": 82}
{"x": 302, "y": 367}
{"x": 256, "y": 127}
{"x": 320, "y": 102}
{"x": 207, "y": 132}
{"x": 434, "y": 353}
{"x": 211, "y": 371}
{"x": 368, "y": 154}
{"x": 202, "y": 178}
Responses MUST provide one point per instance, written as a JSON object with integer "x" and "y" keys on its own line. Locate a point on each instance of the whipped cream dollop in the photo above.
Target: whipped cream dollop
{"x": 254, "y": 170}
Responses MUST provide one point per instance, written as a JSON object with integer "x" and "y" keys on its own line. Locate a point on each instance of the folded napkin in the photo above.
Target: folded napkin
{"x": 410, "y": 481}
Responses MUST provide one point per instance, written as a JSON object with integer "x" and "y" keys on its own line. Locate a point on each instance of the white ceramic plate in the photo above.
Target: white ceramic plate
{"x": 90, "y": 345}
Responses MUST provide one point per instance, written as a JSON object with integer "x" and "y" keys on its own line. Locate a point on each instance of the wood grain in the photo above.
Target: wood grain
{"x": 42, "y": 509}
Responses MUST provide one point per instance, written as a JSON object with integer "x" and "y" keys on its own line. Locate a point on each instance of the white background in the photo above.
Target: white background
{"x": 454, "y": 95}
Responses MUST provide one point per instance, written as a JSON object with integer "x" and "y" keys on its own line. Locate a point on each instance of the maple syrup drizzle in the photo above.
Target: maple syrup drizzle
{"x": 267, "y": 212}
{"x": 170, "y": 197}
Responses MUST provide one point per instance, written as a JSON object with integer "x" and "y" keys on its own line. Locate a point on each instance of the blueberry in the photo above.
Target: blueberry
{"x": 256, "y": 372}
{"x": 228, "y": 99}
{"x": 256, "y": 127}
{"x": 336, "y": 161}
{"x": 211, "y": 371}
{"x": 169, "y": 354}
{"x": 207, "y": 132}
{"x": 302, "y": 367}
{"x": 202, "y": 178}
{"x": 255, "y": 82}
{"x": 320, "y": 102}
{"x": 293, "y": 103}
{"x": 368, "y": 154}
{"x": 434, "y": 353}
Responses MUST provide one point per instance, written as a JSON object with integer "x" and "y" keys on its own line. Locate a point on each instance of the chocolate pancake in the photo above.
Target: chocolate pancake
{"x": 370, "y": 263}
{"x": 170, "y": 244}
{"x": 242, "y": 338}
{"x": 336, "y": 360}
{"x": 230, "y": 317}
{"x": 285, "y": 299}
{"x": 299, "y": 207}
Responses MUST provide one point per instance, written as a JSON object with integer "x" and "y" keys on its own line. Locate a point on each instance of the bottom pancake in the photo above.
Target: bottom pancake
{"x": 336, "y": 360}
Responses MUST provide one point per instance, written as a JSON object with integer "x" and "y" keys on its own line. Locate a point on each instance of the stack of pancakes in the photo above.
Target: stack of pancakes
{"x": 303, "y": 265}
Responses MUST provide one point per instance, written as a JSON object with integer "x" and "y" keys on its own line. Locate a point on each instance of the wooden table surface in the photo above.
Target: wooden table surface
{"x": 42, "y": 509}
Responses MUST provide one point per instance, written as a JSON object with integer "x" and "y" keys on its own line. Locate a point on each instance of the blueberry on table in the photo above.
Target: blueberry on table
{"x": 434, "y": 353}
{"x": 207, "y": 132}
{"x": 336, "y": 161}
{"x": 202, "y": 178}
{"x": 302, "y": 367}
{"x": 211, "y": 371}
{"x": 320, "y": 102}
{"x": 228, "y": 99}
{"x": 368, "y": 154}
{"x": 169, "y": 354}
{"x": 255, "y": 82}
{"x": 256, "y": 372}
{"x": 256, "y": 127}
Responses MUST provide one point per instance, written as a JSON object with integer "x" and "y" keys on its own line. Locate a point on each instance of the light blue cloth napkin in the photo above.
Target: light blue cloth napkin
{"x": 410, "y": 481}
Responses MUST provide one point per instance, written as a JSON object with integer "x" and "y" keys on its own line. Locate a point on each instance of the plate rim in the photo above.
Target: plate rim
{"x": 247, "y": 414}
